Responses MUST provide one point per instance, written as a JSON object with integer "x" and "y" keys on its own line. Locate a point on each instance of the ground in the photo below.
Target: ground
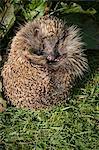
{"x": 73, "y": 126}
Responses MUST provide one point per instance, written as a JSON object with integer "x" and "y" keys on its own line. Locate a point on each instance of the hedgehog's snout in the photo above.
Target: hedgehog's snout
{"x": 53, "y": 57}
{"x": 50, "y": 57}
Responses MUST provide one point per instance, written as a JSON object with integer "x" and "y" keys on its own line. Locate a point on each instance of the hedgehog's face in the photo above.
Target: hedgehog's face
{"x": 48, "y": 50}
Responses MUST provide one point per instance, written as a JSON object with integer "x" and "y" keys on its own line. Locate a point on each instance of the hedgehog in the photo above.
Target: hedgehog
{"x": 45, "y": 59}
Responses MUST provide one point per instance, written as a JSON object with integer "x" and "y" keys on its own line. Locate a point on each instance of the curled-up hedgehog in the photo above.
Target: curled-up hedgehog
{"x": 45, "y": 58}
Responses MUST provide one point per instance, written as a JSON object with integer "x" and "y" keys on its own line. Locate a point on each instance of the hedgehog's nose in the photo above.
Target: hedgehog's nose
{"x": 50, "y": 57}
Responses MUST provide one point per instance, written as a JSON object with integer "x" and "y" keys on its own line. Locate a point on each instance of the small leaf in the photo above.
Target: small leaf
{"x": 7, "y": 19}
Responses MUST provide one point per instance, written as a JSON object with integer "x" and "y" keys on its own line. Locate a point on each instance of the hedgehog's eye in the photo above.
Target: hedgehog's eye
{"x": 57, "y": 54}
{"x": 38, "y": 52}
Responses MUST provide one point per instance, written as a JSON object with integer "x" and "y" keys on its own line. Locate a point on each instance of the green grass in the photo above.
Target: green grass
{"x": 74, "y": 126}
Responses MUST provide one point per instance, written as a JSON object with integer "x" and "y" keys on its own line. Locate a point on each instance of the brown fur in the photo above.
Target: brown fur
{"x": 45, "y": 58}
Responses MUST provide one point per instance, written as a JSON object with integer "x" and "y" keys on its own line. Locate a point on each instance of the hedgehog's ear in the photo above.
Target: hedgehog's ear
{"x": 36, "y": 31}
